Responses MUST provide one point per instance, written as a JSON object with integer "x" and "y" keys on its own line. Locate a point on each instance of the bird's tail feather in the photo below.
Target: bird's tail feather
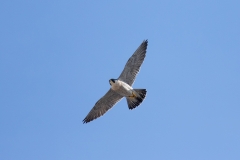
{"x": 136, "y": 100}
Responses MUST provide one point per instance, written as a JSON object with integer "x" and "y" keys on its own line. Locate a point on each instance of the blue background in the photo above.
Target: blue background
{"x": 56, "y": 58}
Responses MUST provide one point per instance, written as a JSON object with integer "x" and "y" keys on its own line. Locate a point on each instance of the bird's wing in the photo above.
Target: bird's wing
{"x": 133, "y": 64}
{"x": 103, "y": 105}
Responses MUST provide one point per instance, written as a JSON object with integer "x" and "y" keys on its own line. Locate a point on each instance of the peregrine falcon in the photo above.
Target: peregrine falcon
{"x": 122, "y": 87}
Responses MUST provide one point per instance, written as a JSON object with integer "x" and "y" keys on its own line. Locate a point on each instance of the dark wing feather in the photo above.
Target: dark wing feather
{"x": 133, "y": 64}
{"x": 103, "y": 105}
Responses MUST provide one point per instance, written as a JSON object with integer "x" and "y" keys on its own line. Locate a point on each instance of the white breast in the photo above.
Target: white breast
{"x": 125, "y": 85}
{"x": 115, "y": 86}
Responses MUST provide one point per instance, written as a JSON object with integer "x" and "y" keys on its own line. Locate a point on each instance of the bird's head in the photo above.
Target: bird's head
{"x": 111, "y": 81}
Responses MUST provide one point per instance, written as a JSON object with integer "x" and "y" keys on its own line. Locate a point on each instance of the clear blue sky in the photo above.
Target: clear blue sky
{"x": 56, "y": 58}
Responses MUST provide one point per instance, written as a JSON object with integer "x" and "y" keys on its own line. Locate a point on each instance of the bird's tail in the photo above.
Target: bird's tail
{"x": 137, "y": 98}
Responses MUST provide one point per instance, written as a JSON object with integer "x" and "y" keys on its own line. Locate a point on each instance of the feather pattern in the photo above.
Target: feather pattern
{"x": 133, "y": 64}
{"x": 103, "y": 105}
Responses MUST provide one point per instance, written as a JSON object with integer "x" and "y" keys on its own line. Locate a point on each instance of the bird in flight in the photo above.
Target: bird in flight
{"x": 122, "y": 87}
